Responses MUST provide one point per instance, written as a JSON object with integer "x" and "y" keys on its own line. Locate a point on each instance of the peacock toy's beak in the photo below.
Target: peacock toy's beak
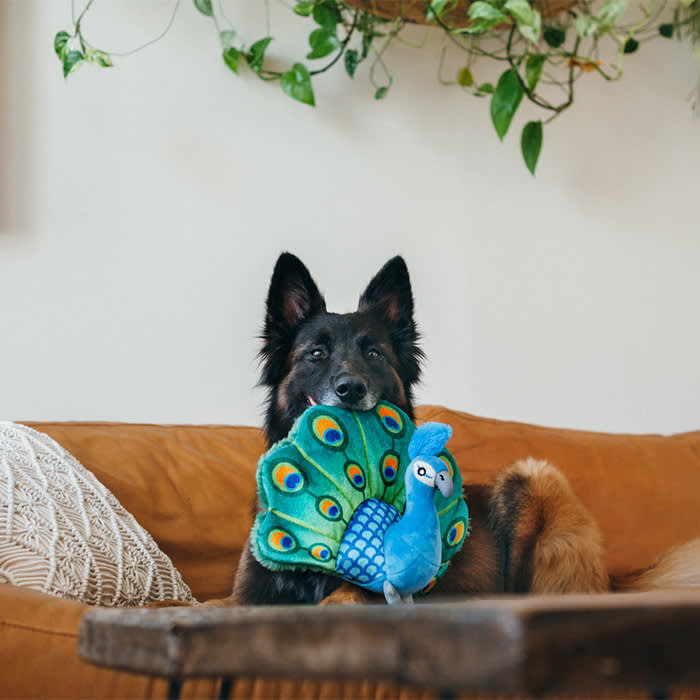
{"x": 444, "y": 483}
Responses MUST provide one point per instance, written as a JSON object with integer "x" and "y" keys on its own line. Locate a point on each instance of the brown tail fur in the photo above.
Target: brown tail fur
{"x": 552, "y": 544}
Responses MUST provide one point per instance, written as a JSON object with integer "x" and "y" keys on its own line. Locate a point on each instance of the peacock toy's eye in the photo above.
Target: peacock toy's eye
{"x": 318, "y": 353}
{"x": 424, "y": 472}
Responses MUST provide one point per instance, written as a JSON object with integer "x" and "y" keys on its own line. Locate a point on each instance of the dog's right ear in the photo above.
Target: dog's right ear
{"x": 292, "y": 299}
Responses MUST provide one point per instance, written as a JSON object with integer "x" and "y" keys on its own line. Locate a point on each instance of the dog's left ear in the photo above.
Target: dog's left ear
{"x": 389, "y": 294}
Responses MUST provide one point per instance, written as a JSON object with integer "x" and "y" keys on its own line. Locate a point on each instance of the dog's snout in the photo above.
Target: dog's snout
{"x": 350, "y": 389}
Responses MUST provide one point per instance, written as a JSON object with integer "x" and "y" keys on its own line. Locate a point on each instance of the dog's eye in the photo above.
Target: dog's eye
{"x": 374, "y": 354}
{"x": 318, "y": 353}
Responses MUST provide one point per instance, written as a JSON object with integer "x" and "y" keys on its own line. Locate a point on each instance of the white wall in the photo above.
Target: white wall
{"x": 142, "y": 209}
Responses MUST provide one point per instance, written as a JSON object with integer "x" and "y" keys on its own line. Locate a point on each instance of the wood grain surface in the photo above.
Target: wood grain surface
{"x": 526, "y": 645}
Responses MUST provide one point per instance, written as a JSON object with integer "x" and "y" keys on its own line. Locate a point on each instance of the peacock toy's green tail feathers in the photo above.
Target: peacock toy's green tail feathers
{"x": 311, "y": 483}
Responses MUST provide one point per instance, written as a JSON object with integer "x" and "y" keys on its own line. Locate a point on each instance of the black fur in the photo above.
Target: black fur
{"x": 310, "y": 355}
{"x": 296, "y": 323}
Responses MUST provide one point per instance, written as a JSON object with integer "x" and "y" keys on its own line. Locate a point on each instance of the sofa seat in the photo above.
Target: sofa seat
{"x": 192, "y": 488}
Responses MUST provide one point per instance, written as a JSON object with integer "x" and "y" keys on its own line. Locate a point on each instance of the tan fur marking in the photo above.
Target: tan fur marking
{"x": 347, "y": 594}
{"x": 677, "y": 568}
{"x": 402, "y": 392}
{"x": 282, "y": 401}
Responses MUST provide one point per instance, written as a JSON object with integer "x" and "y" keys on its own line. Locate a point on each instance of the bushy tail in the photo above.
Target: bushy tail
{"x": 677, "y": 568}
{"x": 550, "y": 542}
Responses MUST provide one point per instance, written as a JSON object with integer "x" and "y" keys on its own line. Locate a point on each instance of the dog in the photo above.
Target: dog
{"x": 529, "y": 531}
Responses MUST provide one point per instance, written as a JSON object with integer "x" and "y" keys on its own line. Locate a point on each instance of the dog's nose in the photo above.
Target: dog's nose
{"x": 350, "y": 389}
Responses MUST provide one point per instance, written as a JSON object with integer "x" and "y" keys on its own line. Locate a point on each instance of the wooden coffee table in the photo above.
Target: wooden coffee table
{"x": 528, "y": 646}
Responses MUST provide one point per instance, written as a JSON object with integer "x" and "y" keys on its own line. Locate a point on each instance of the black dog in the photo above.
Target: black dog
{"x": 311, "y": 356}
{"x": 528, "y": 531}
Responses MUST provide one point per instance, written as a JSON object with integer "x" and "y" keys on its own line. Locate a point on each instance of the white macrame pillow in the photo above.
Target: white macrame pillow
{"x": 62, "y": 532}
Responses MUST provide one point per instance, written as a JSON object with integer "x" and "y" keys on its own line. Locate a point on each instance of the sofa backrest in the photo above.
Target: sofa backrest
{"x": 193, "y": 487}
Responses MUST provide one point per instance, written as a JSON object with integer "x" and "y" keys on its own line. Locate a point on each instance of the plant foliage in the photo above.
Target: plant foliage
{"x": 539, "y": 59}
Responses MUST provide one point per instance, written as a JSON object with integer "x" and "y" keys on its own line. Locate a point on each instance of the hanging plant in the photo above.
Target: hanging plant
{"x": 542, "y": 47}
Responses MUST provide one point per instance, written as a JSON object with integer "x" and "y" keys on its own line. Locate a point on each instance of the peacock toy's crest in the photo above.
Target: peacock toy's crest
{"x": 331, "y": 490}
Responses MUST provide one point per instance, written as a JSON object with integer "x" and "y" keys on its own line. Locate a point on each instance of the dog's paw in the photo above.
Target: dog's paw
{"x": 347, "y": 594}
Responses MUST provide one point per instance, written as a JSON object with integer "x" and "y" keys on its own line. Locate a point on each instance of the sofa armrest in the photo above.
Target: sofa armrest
{"x": 39, "y": 652}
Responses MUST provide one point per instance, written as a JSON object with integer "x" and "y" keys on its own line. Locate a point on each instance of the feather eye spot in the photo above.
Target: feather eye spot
{"x": 287, "y": 477}
{"x": 320, "y": 552}
{"x": 355, "y": 475}
{"x": 390, "y": 467}
{"x": 329, "y": 508}
{"x": 282, "y": 541}
{"x": 456, "y": 532}
{"x": 390, "y": 420}
{"x": 430, "y": 586}
{"x": 448, "y": 464}
{"x": 329, "y": 432}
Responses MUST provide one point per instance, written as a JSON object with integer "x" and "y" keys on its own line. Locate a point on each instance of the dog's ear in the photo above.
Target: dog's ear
{"x": 292, "y": 299}
{"x": 293, "y": 296}
{"x": 389, "y": 295}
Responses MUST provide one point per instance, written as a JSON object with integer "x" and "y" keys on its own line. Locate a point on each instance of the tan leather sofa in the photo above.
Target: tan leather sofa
{"x": 192, "y": 488}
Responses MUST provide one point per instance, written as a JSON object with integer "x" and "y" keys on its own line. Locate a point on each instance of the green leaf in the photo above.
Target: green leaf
{"x": 304, "y": 8}
{"x": 586, "y": 25}
{"x": 99, "y": 58}
{"x": 484, "y": 10}
{"x": 631, "y": 45}
{"x": 322, "y": 43}
{"x": 610, "y": 11}
{"x": 486, "y": 89}
{"x": 666, "y": 30}
{"x": 554, "y": 36}
{"x": 231, "y": 56}
{"x": 484, "y": 16}
{"x": 532, "y": 32}
{"x": 437, "y": 8}
{"x": 227, "y": 38}
{"x": 327, "y": 15}
{"x": 256, "y": 53}
{"x": 465, "y": 77}
{"x": 505, "y": 101}
{"x": 204, "y": 6}
{"x": 521, "y": 10}
{"x": 297, "y": 84}
{"x": 531, "y": 144}
{"x": 352, "y": 59}
{"x": 71, "y": 61}
{"x": 533, "y": 69}
{"x": 60, "y": 44}
{"x": 381, "y": 92}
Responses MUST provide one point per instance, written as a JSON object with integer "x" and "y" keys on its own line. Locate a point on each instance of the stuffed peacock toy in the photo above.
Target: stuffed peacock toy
{"x": 364, "y": 495}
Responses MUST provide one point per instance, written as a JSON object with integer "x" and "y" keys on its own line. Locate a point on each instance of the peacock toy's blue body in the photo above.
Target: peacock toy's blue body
{"x": 362, "y": 495}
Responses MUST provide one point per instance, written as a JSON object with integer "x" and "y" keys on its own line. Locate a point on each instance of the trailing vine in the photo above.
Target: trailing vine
{"x": 541, "y": 58}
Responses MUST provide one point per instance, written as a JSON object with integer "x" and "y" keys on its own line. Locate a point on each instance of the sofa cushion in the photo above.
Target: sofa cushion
{"x": 193, "y": 487}
{"x": 643, "y": 490}
{"x": 64, "y": 533}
